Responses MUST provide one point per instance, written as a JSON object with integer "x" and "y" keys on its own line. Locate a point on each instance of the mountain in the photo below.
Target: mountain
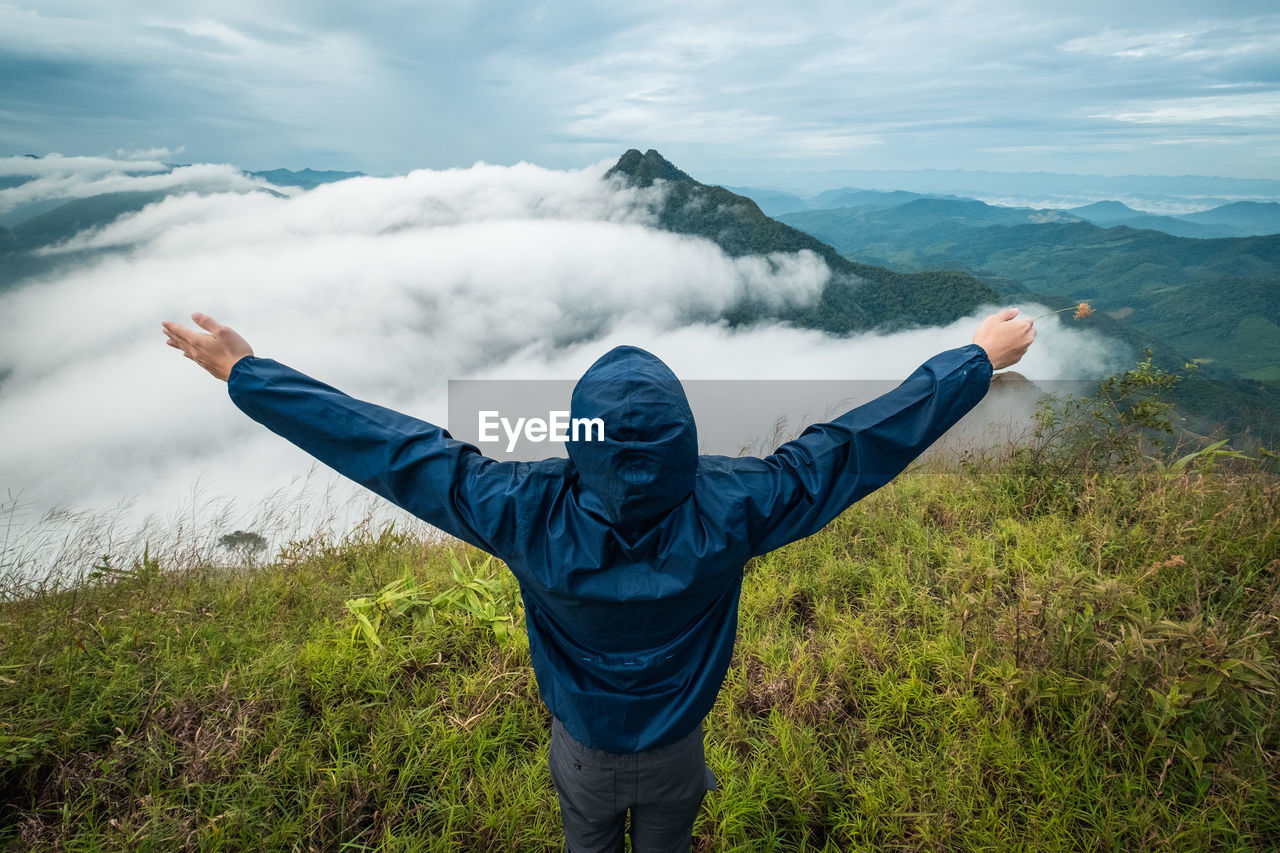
{"x": 18, "y": 262}
{"x": 1106, "y": 212}
{"x": 1157, "y": 280}
{"x": 776, "y": 202}
{"x": 1241, "y": 219}
{"x": 1238, "y": 219}
{"x": 306, "y": 179}
{"x": 1053, "y": 268}
{"x": 1179, "y": 227}
{"x": 642, "y": 170}
{"x": 1252, "y": 217}
{"x": 983, "y": 184}
{"x": 849, "y": 197}
{"x": 858, "y": 297}
{"x": 771, "y": 202}
{"x": 72, "y": 217}
{"x": 968, "y": 211}
{"x": 1112, "y": 213}
{"x": 923, "y": 212}
{"x": 1214, "y": 301}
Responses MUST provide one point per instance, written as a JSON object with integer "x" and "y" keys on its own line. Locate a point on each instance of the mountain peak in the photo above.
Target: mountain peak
{"x": 1106, "y": 213}
{"x": 641, "y": 170}
{"x": 307, "y": 178}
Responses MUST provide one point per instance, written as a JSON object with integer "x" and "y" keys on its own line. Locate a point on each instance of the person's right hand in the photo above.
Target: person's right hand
{"x": 1004, "y": 338}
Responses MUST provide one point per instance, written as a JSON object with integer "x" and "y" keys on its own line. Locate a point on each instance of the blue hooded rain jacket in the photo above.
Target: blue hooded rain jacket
{"x": 629, "y": 553}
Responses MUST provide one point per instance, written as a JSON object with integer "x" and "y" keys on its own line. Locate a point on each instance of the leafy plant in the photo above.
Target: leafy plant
{"x": 1206, "y": 455}
{"x": 1075, "y": 439}
{"x": 490, "y": 601}
{"x": 394, "y": 599}
{"x": 1111, "y": 428}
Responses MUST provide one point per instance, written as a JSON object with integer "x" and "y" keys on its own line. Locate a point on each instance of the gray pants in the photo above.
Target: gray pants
{"x": 663, "y": 788}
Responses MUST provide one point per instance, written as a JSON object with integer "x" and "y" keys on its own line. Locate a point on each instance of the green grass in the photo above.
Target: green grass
{"x": 966, "y": 660}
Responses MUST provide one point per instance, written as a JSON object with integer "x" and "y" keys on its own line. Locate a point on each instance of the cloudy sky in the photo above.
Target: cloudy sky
{"x": 1169, "y": 87}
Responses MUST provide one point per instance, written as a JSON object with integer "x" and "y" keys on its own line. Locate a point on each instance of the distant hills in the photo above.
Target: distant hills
{"x": 1255, "y": 217}
{"x": 306, "y": 179}
{"x": 1069, "y": 190}
{"x": 71, "y": 217}
{"x": 1236, "y": 219}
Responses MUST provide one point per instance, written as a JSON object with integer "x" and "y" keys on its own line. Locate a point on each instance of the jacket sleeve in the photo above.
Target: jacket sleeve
{"x": 416, "y": 465}
{"x": 807, "y": 482}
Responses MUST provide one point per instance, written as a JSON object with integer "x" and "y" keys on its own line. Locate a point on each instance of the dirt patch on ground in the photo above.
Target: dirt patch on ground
{"x": 828, "y": 700}
{"x": 209, "y": 737}
{"x": 800, "y": 612}
{"x": 940, "y": 517}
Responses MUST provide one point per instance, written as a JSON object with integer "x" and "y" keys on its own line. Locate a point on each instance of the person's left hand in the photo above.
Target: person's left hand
{"x": 217, "y": 352}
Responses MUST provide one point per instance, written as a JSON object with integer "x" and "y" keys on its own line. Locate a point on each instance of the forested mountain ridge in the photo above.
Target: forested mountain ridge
{"x": 19, "y": 259}
{"x": 859, "y": 296}
{"x": 1191, "y": 293}
{"x": 1215, "y": 302}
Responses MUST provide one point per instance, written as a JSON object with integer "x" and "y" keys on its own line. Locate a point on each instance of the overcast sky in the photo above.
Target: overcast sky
{"x": 1169, "y": 87}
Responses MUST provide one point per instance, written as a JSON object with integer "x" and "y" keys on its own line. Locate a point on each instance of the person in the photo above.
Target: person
{"x": 629, "y": 553}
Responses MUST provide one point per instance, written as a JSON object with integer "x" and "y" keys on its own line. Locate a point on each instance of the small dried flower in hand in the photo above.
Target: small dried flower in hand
{"x": 1084, "y": 309}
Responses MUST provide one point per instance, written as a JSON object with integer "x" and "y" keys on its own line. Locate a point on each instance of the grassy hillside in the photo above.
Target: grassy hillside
{"x": 1040, "y": 651}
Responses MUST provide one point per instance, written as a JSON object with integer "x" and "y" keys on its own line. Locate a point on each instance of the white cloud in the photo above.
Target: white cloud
{"x": 56, "y": 165}
{"x": 1249, "y": 109}
{"x": 1199, "y": 42}
{"x": 55, "y": 177}
{"x": 152, "y": 154}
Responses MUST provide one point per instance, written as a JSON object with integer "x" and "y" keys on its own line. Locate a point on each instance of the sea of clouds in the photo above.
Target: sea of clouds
{"x": 384, "y": 287}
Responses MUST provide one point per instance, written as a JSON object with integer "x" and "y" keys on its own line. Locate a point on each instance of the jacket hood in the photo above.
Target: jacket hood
{"x": 647, "y": 461}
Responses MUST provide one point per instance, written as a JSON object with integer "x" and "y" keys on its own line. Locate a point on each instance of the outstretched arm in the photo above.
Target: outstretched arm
{"x": 412, "y": 463}
{"x": 807, "y": 482}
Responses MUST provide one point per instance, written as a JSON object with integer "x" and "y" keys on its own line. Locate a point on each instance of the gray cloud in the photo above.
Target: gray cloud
{"x": 1175, "y": 87}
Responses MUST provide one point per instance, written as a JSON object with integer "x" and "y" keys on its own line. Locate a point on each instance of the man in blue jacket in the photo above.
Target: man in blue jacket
{"x": 629, "y": 553}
